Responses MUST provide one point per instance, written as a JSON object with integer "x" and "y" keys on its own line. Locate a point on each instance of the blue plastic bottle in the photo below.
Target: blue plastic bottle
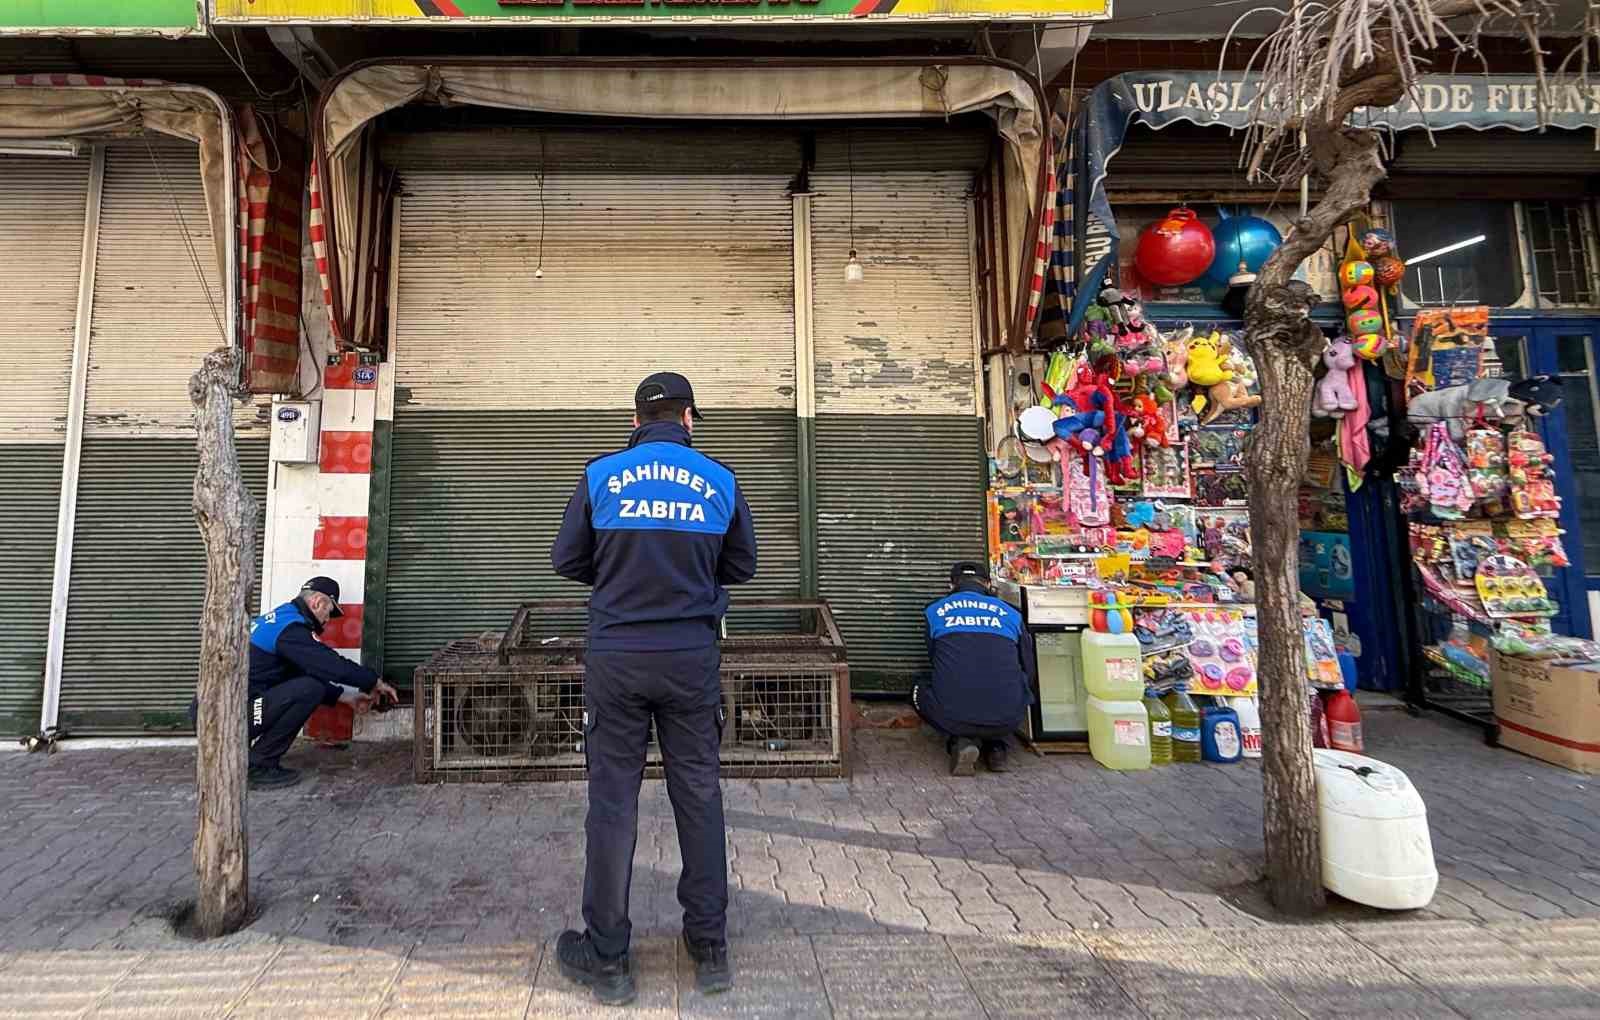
{"x": 1219, "y": 733}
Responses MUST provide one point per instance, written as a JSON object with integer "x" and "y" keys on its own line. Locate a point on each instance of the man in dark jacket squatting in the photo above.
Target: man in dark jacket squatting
{"x": 291, "y": 673}
{"x": 657, "y": 529}
{"x": 982, "y": 670}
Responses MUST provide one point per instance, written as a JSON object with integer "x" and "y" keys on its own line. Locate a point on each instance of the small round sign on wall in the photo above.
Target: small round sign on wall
{"x": 366, "y": 375}
{"x": 288, "y": 414}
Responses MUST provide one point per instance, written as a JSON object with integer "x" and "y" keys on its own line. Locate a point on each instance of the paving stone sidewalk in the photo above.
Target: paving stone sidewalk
{"x": 1057, "y": 889}
{"x": 1391, "y": 970}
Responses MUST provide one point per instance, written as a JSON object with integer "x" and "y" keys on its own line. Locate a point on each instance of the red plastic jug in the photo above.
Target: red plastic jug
{"x": 1344, "y": 722}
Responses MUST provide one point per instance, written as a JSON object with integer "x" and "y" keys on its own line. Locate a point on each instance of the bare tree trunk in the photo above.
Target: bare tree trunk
{"x": 226, "y": 514}
{"x": 1285, "y": 343}
{"x": 1277, "y": 455}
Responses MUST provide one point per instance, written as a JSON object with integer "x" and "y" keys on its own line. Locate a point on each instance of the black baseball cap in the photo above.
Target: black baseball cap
{"x": 969, "y": 570}
{"x": 666, "y": 386}
{"x": 327, "y": 586}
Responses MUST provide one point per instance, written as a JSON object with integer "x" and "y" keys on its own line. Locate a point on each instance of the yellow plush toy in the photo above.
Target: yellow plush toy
{"x": 1206, "y": 357}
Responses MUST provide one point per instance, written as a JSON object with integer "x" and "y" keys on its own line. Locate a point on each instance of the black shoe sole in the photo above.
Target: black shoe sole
{"x": 279, "y": 784}
{"x": 713, "y": 986}
{"x": 603, "y": 995}
{"x": 997, "y": 766}
{"x": 964, "y": 762}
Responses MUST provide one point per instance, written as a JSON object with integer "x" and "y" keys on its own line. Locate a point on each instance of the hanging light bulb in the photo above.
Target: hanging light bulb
{"x": 854, "y": 271}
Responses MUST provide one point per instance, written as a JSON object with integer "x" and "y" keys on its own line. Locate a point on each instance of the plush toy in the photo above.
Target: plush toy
{"x": 1334, "y": 395}
{"x": 1205, "y": 360}
{"x": 1146, "y": 422}
{"x": 1494, "y": 400}
{"x": 1243, "y": 584}
{"x": 1177, "y": 351}
{"x": 1229, "y": 396}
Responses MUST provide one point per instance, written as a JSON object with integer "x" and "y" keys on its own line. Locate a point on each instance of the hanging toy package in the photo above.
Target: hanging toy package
{"x": 1443, "y": 475}
{"x": 1533, "y": 491}
{"x": 1509, "y": 587}
{"x": 1486, "y": 464}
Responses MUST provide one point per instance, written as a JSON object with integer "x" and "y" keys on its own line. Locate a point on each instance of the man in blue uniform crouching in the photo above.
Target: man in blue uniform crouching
{"x": 657, "y": 529}
{"x": 982, "y": 670}
{"x": 291, "y": 673}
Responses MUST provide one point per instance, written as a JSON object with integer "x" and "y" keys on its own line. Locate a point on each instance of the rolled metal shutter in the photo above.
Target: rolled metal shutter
{"x": 41, "y": 240}
{"x": 138, "y": 565}
{"x": 506, "y": 384}
{"x": 900, "y": 460}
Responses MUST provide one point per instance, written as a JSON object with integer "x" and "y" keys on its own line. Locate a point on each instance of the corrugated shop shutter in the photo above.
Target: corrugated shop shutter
{"x": 159, "y": 303}
{"x": 138, "y": 580}
{"x": 899, "y": 453}
{"x": 138, "y": 565}
{"x": 41, "y": 239}
{"x": 506, "y": 385}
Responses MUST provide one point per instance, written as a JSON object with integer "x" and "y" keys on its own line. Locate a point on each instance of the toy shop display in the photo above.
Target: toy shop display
{"x": 1484, "y": 527}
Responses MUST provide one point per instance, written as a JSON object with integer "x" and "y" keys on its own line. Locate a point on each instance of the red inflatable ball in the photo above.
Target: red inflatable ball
{"x": 1176, "y": 250}
{"x": 1360, "y": 297}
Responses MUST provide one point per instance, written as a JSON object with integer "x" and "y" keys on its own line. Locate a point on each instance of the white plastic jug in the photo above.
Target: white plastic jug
{"x": 1375, "y": 843}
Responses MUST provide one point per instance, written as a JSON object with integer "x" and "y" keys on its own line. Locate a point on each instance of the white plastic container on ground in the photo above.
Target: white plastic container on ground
{"x": 1375, "y": 844}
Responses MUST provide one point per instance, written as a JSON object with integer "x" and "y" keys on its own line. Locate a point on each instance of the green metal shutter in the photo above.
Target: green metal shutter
{"x": 27, "y": 561}
{"x": 476, "y": 498}
{"x": 507, "y": 384}
{"x": 897, "y": 503}
{"x": 41, "y": 241}
{"x": 138, "y": 581}
{"x": 138, "y": 565}
{"x": 899, "y": 450}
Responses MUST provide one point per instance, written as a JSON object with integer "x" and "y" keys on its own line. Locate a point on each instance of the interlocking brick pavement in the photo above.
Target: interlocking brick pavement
{"x": 98, "y": 846}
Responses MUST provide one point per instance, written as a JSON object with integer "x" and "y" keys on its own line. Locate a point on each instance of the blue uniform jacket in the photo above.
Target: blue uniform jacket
{"x": 982, "y": 659}
{"x": 283, "y": 645}
{"x": 657, "y": 529}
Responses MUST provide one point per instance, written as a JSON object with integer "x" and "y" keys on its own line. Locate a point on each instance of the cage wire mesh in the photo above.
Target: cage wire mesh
{"x": 512, "y": 709}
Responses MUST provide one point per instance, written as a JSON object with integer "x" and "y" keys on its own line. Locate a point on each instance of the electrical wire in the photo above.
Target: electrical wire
{"x": 188, "y": 242}
{"x": 539, "y": 269}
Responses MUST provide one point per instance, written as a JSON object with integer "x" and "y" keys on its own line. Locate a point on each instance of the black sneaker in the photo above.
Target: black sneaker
{"x": 611, "y": 980}
{"x": 713, "y": 973}
{"x": 994, "y": 757}
{"x": 270, "y": 777}
{"x": 963, "y": 758}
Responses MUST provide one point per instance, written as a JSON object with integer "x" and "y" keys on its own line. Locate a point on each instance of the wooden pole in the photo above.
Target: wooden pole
{"x": 226, "y": 514}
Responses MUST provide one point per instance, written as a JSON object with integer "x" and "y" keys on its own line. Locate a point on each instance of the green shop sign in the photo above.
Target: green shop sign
{"x": 101, "y": 17}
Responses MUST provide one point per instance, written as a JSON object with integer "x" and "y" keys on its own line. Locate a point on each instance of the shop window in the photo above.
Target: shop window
{"x": 1575, "y": 363}
{"x": 1459, "y": 253}
{"x": 1561, "y": 235}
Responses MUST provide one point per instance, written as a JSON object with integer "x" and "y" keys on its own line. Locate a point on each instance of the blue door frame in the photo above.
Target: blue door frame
{"x": 1564, "y": 346}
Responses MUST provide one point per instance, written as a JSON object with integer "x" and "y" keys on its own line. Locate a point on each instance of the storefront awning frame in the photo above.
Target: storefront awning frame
{"x": 343, "y": 211}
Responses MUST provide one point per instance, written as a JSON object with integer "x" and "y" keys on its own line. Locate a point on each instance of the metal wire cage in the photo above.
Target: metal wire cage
{"x": 511, "y": 709}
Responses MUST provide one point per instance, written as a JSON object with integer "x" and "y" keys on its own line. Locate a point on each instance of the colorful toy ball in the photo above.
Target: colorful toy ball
{"x": 1356, "y": 274}
{"x": 1176, "y": 250}
{"x": 1362, "y": 296}
{"x": 1377, "y": 242}
{"x": 1369, "y": 346}
{"x": 1365, "y": 321}
{"x": 1389, "y": 271}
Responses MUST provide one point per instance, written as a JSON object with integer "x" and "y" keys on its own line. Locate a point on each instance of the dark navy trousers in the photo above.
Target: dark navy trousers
{"x": 680, "y": 691}
{"x": 275, "y": 717}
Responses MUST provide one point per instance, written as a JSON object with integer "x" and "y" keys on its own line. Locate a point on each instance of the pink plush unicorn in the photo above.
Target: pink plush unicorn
{"x": 1334, "y": 395}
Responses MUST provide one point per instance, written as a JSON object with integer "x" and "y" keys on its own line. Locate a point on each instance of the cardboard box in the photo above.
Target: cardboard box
{"x": 1549, "y": 712}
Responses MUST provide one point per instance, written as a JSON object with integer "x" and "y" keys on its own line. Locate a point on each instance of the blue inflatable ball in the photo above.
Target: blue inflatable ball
{"x": 1250, "y": 238}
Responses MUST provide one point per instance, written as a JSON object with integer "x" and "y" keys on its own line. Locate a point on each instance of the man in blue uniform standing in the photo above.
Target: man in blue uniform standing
{"x": 291, "y": 673}
{"x": 982, "y": 670}
{"x": 657, "y": 529}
